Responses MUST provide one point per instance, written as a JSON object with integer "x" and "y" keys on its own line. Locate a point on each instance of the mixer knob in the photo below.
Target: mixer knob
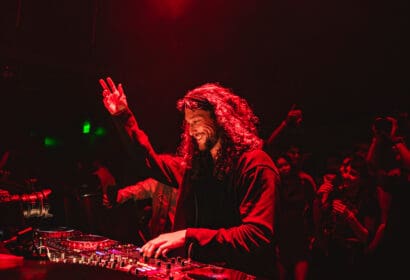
{"x": 134, "y": 270}
{"x": 111, "y": 265}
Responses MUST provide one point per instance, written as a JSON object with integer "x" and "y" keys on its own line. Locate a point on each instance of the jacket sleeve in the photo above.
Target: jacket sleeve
{"x": 138, "y": 191}
{"x": 164, "y": 168}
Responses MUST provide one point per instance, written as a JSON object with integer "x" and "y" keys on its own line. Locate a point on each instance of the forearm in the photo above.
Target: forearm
{"x": 371, "y": 153}
{"x": 138, "y": 145}
{"x": 241, "y": 240}
{"x": 404, "y": 153}
{"x": 134, "y": 192}
{"x": 276, "y": 132}
{"x": 359, "y": 230}
{"x": 378, "y": 237}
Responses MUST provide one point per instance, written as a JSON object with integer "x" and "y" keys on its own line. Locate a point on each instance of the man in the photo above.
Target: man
{"x": 226, "y": 203}
{"x": 163, "y": 203}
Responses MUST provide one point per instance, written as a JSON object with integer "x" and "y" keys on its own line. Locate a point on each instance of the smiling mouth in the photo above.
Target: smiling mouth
{"x": 199, "y": 137}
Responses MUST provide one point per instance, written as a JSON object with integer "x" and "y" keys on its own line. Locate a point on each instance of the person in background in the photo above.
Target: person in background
{"x": 106, "y": 180}
{"x": 86, "y": 199}
{"x": 163, "y": 204}
{"x": 389, "y": 160}
{"x": 296, "y": 197}
{"x": 346, "y": 215}
{"x": 295, "y": 225}
{"x": 226, "y": 206}
{"x": 275, "y": 148}
{"x": 293, "y": 119}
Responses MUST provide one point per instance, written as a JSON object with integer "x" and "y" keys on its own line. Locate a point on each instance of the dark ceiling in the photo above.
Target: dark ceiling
{"x": 343, "y": 62}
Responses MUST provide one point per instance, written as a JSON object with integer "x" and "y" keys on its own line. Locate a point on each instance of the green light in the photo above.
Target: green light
{"x": 50, "y": 142}
{"x": 100, "y": 131}
{"x": 86, "y": 127}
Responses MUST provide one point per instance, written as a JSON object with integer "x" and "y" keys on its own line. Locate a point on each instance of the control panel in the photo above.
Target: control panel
{"x": 65, "y": 245}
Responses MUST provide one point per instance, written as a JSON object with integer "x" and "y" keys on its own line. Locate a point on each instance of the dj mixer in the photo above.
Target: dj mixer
{"x": 68, "y": 246}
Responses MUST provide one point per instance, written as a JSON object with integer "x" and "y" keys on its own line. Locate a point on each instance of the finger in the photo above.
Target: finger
{"x": 151, "y": 250}
{"x": 145, "y": 246}
{"x": 293, "y": 107}
{"x": 145, "y": 250}
{"x": 103, "y": 84}
{"x": 120, "y": 90}
{"x": 165, "y": 253}
{"x": 160, "y": 251}
{"x": 112, "y": 85}
{"x": 105, "y": 93}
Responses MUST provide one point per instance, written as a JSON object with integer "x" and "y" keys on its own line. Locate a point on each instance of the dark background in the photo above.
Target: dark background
{"x": 342, "y": 62}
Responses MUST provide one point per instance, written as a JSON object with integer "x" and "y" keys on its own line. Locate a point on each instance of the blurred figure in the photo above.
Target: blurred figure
{"x": 389, "y": 144}
{"x": 86, "y": 197}
{"x": 16, "y": 171}
{"x": 296, "y": 197}
{"x": 293, "y": 152}
{"x": 346, "y": 215}
{"x": 163, "y": 204}
{"x": 295, "y": 226}
{"x": 3, "y": 161}
{"x": 294, "y": 119}
{"x": 389, "y": 159}
{"x": 106, "y": 181}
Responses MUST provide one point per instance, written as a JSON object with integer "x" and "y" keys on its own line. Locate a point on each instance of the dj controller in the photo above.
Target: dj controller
{"x": 68, "y": 246}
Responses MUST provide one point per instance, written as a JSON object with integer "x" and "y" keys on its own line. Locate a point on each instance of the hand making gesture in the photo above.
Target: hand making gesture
{"x": 114, "y": 97}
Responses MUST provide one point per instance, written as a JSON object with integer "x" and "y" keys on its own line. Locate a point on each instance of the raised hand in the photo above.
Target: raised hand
{"x": 113, "y": 97}
{"x": 324, "y": 191}
{"x": 294, "y": 116}
{"x": 338, "y": 207}
{"x": 394, "y": 126}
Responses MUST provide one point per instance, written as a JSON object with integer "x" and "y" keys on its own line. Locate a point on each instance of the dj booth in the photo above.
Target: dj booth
{"x": 64, "y": 253}
{"x": 39, "y": 251}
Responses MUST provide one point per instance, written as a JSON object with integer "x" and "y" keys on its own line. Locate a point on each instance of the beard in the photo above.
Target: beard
{"x": 208, "y": 144}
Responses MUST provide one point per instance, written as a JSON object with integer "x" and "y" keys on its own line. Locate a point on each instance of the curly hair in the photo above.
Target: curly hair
{"x": 234, "y": 118}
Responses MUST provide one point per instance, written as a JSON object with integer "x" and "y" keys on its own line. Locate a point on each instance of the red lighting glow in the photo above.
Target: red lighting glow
{"x": 172, "y": 9}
